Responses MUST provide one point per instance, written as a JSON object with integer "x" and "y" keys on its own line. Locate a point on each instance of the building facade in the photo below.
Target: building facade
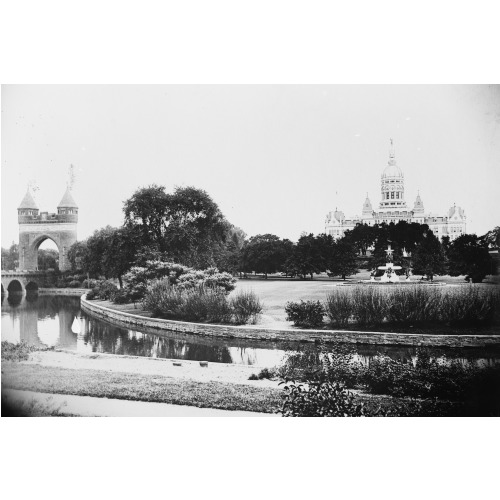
{"x": 393, "y": 208}
{"x": 35, "y": 227}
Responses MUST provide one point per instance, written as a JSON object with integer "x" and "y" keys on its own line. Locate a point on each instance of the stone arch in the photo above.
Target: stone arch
{"x": 32, "y": 287}
{"x": 15, "y": 286}
{"x": 35, "y": 245}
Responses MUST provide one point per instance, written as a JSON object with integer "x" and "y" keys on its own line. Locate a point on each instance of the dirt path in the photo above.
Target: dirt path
{"x": 214, "y": 372}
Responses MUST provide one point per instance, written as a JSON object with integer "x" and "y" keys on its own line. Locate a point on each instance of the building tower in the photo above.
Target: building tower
{"x": 392, "y": 185}
{"x": 35, "y": 227}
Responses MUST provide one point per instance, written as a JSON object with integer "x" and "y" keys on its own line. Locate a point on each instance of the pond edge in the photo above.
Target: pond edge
{"x": 298, "y": 335}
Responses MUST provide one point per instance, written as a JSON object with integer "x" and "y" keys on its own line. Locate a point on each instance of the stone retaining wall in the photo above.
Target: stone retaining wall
{"x": 258, "y": 333}
{"x": 62, "y": 291}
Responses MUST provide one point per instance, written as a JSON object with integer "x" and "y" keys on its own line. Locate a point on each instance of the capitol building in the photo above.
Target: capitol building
{"x": 393, "y": 208}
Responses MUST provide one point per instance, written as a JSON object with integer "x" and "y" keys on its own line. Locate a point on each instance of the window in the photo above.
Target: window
{"x": 392, "y": 195}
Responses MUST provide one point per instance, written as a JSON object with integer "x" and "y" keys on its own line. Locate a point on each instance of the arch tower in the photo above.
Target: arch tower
{"x": 35, "y": 227}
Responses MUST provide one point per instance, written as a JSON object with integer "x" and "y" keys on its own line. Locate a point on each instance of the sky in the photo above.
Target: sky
{"x": 275, "y": 158}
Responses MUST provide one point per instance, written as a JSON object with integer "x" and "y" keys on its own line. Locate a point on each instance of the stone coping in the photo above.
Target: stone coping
{"x": 298, "y": 335}
{"x": 63, "y": 291}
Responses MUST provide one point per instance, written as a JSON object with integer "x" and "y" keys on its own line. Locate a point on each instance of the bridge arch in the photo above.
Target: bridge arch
{"x": 15, "y": 286}
{"x": 32, "y": 286}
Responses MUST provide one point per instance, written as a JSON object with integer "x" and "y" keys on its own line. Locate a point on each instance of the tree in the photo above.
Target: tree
{"x": 362, "y": 237}
{"x": 48, "y": 259}
{"x": 492, "y": 238}
{"x": 265, "y": 253}
{"x": 10, "y": 257}
{"x": 109, "y": 252}
{"x": 309, "y": 255}
{"x": 429, "y": 257}
{"x": 187, "y": 224}
{"x": 342, "y": 261}
{"x": 468, "y": 255}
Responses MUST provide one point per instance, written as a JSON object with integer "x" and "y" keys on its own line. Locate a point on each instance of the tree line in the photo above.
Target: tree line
{"x": 187, "y": 227}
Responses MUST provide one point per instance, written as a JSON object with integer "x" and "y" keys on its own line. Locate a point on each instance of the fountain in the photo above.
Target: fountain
{"x": 389, "y": 269}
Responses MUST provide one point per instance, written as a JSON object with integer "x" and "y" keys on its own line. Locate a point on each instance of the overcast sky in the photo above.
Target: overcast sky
{"x": 276, "y": 159}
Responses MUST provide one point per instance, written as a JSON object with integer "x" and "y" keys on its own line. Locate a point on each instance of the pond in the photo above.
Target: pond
{"x": 58, "y": 321}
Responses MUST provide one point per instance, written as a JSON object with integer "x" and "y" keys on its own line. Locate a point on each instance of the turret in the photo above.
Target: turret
{"x": 28, "y": 209}
{"x": 367, "y": 211}
{"x": 418, "y": 208}
{"x": 67, "y": 208}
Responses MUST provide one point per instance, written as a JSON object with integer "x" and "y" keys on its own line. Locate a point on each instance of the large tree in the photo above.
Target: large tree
{"x": 187, "y": 224}
{"x": 342, "y": 261}
{"x": 109, "y": 252}
{"x": 362, "y": 237}
{"x": 265, "y": 253}
{"x": 310, "y": 255}
{"x": 468, "y": 255}
{"x": 428, "y": 256}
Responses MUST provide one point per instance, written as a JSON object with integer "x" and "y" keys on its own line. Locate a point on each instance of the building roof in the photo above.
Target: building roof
{"x": 67, "y": 200}
{"x": 392, "y": 170}
{"x": 28, "y": 201}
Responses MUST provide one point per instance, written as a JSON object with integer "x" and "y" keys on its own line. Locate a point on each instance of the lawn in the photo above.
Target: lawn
{"x": 137, "y": 387}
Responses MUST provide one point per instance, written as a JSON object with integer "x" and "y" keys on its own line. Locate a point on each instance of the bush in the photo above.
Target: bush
{"x": 18, "y": 352}
{"x": 370, "y": 305}
{"x": 210, "y": 278}
{"x": 90, "y": 283}
{"x": 413, "y": 305}
{"x": 246, "y": 307}
{"x": 93, "y": 295}
{"x": 339, "y": 307}
{"x": 308, "y": 314}
{"x": 120, "y": 297}
{"x": 470, "y": 305}
{"x": 75, "y": 284}
{"x": 319, "y": 398}
{"x": 198, "y": 304}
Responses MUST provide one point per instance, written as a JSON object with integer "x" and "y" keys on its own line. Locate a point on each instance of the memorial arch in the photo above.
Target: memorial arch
{"x": 35, "y": 227}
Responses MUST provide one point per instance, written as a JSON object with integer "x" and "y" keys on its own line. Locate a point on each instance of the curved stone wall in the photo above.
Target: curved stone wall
{"x": 259, "y": 333}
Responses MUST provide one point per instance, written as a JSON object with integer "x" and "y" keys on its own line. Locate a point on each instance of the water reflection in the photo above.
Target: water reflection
{"x": 47, "y": 320}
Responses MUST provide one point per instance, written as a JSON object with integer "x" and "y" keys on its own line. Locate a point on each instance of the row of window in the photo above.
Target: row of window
{"x": 393, "y": 195}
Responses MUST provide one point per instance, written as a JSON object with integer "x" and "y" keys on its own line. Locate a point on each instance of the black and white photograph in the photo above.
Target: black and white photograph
{"x": 211, "y": 250}
{"x": 225, "y": 215}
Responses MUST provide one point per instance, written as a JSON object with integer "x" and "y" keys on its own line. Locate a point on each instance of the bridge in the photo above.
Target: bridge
{"x": 22, "y": 281}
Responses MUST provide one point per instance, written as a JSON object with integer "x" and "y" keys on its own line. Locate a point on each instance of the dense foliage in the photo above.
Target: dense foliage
{"x": 321, "y": 376}
{"x": 307, "y": 314}
{"x": 415, "y": 305}
{"x": 200, "y": 303}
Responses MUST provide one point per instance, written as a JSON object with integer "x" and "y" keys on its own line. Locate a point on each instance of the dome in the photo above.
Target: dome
{"x": 392, "y": 170}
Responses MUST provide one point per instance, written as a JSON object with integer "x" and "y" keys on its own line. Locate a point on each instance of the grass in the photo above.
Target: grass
{"x": 19, "y": 352}
{"x": 137, "y": 387}
{"x": 181, "y": 392}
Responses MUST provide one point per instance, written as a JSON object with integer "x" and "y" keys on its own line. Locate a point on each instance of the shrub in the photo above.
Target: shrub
{"x": 308, "y": 314}
{"x": 198, "y": 304}
{"x": 75, "y": 284}
{"x": 120, "y": 297}
{"x": 253, "y": 377}
{"x": 90, "y": 283}
{"x": 370, "y": 305}
{"x": 319, "y": 398}
{"x": 246, "y": 307}
{"x": 413, "y": 304}
{"x": 18, "y": 352}
{"x": 210, "y": 278}
{"x": 339, "y": 306}
{"x": 206, "y": 304}
{"x": 470, "y": 305}
{"x": 266, "y": 373}
{"x": 92, "y": 295}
